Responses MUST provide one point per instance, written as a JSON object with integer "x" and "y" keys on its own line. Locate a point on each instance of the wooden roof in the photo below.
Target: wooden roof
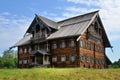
{"x": 74, "y": 26}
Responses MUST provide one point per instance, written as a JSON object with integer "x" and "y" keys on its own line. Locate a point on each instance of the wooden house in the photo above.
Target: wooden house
{"x": 75, "y": 42}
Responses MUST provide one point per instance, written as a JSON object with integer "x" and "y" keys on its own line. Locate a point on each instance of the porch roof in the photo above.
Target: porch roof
{"x": 43, "y": 52}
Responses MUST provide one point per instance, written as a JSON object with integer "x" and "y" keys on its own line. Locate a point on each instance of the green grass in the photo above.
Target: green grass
{"x": 59, "y": 74}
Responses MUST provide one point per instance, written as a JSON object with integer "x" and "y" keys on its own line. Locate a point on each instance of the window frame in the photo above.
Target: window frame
{"x": 63, "y": 58}
{"x": 72, "y": 43}
{"x": 72, "y": 58}
{"x": 54, "y": 45}
{"x": 54, "y": 59}
{"x": 62, "y": 44}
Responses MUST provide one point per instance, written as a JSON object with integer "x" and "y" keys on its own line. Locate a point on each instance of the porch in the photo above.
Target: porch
{"x": 40, "y": 59}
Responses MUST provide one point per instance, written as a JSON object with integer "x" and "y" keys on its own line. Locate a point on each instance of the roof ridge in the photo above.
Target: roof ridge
{"x": 79, "y": 16}
{"x": 45, "y": 18}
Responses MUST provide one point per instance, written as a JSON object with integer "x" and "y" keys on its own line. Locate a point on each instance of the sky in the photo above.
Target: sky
{"x": 17, "y": 15}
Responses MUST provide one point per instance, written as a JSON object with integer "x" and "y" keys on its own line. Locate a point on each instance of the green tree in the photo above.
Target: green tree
{"x": 116, "y": 64}
{"x": 9, "y": 59}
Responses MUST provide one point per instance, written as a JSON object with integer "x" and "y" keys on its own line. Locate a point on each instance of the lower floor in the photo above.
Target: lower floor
{"x": 40, "y": 60}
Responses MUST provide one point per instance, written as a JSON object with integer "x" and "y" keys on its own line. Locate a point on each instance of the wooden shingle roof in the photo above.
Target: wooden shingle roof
{"x": 24, "y": 41}
{"x": 73, "y": 26}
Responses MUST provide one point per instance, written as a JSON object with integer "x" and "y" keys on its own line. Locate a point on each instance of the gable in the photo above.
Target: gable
{"x": 97, "y": 32}
{"x": 42, "y": 22}
{"x": 73, "y": 26}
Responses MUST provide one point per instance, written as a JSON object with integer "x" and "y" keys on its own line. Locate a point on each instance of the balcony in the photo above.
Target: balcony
{"x": 38, "y": 37}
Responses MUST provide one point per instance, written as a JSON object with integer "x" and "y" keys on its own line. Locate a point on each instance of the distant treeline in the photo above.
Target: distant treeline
{"x": 116, "y": 64}
{"x": 8, "y": 59}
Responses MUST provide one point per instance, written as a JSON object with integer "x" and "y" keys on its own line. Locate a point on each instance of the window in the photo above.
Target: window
{"x": 72, "y": 43}
{"x": 63, "y": 45}
{"x": 54, "y": 59}
{"x": 20, "y": 61}
{"x": 86, "y": 45}
{"x": 82, "y": 43}
{"x": 54, "y": 46}
{"x": 72, "y": 58}
{"x": 25, "y": 61}
{"x": 82, "y": 58}
{"x": 88, "y": 59}
{"x": 63, "y": 58}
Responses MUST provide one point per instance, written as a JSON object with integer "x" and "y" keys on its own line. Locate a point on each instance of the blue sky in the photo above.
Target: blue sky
{"x": 16, "y": 16}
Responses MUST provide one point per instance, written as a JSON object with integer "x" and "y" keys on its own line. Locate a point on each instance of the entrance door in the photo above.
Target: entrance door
{"x": 39, "y": 59}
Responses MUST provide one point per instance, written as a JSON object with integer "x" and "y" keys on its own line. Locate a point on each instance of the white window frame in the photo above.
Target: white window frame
{"x": 63, "y": 58}
{"x": 54, "y": 59}
{"x": 25, "y": 61}
{"x": 72, "y": 43}
{"x": 63, "y": 44}
{"x": 72, "y": 58}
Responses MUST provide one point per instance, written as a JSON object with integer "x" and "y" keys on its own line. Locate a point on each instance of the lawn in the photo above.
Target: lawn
{"x": 59, "y": 74}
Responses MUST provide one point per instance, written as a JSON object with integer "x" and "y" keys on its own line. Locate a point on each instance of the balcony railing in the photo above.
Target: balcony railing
{"x": 38, "y": 37}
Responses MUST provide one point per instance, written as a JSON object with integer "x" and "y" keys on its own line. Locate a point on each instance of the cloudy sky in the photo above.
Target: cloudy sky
{"x": 16, "y": 16}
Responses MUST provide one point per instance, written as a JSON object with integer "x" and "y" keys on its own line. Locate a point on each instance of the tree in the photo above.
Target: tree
{"x": 9, "y": 59}
{"x": 116, "y": 64}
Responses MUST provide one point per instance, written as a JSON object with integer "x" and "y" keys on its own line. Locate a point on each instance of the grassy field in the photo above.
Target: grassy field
{"x": 59, "y": 74}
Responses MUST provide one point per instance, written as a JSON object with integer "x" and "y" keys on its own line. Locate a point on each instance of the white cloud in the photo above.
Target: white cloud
{"x": 86, "y": 2}
{"x": 12, "y": 28}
